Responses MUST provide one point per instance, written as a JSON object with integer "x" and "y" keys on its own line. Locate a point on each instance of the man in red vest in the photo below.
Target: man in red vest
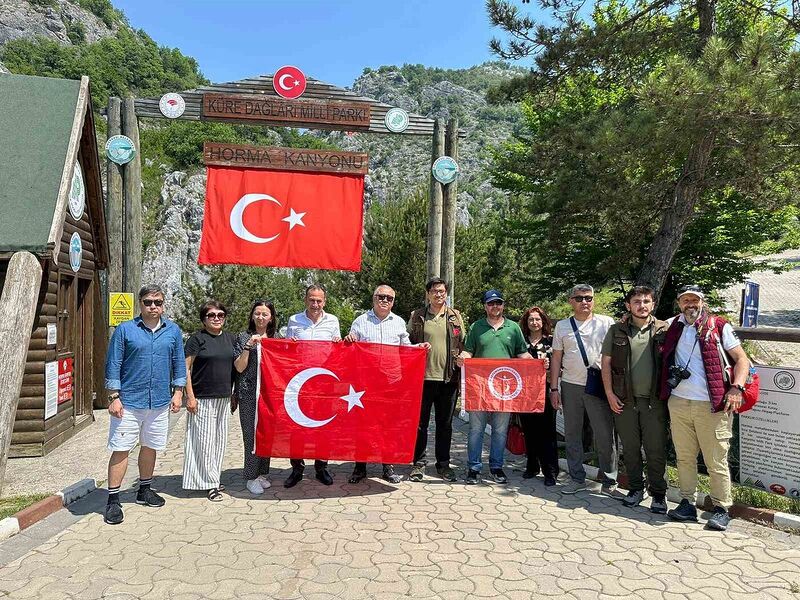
{"x": 702, "y": 401}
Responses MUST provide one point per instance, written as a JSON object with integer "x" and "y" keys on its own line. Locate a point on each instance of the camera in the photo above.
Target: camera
{"x": 676, "y": 375}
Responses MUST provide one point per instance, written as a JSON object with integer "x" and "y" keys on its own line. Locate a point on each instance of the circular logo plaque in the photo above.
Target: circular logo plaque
{"x": 75, "y": 252}
{"x": 784, "y": 380}
{"x": 445, "y": 169}
{"x": 289, "y": 82}
{"x": 120, "y": 149}
{"x": 396, "y": 120}
{"x": 172, "y": 105}
{"x": 77, "y": 194}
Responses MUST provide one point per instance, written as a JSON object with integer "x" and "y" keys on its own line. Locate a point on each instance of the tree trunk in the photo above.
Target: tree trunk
{"x": 677, "y": 216}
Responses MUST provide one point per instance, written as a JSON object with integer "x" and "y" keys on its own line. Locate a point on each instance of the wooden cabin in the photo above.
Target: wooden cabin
{"x": 51, "y": 200}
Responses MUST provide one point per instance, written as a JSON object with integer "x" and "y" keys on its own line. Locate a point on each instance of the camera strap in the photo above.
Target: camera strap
{"x": 688, "y": 360}
{"x": 580, "y": 341}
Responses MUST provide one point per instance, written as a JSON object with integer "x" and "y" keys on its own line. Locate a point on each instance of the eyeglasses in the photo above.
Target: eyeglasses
{"x": 219, "y": 315}
{"x": 385, "y": 297}
{"x": 150, "y": 302}
{"x": 495, "y": 303}
{"x": 438, "y": 292}
{"x": 583, "y": 298}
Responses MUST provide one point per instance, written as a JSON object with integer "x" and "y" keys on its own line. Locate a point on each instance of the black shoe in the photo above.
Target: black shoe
{"x": 685, "y": 512}
{"x": 113, "y": 514}
{"x": 390, "y": 476}
{"x": 295, "y": 477}
{"x": 148, "y": 497}
{"x": 357, "y": 476}
{"x": 324, "y": 477}
{"x": 529, "y": 474}
{"x": 498, "y": 475}
{"x": 473, "y": 477}
{"x": 719, "y": 520}
{"x": 549, "y": 481}
{"x": 658, "y": 505}
{"x": 446, "y": 473}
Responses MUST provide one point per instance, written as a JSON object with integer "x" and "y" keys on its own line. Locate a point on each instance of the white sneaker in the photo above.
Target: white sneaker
{"x": 254, "y": 487}
{"x": 265, "y": 483}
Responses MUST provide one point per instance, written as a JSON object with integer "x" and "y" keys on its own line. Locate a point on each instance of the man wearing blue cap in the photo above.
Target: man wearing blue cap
{"x": 492, "y": 337}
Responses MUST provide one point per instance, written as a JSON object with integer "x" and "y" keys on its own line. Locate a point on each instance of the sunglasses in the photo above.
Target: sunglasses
{"x": 149, "y": 302}
{"x": 495, "y": 303}
{"x": 583, "y": 298}
{"x": 219, "y": 315}
{"x": 385, "y": 297}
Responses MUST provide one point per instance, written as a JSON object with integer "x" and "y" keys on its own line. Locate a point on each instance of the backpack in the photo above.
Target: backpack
{"x": 753, "y": 382}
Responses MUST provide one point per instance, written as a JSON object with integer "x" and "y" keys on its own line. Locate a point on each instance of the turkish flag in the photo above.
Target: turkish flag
{"x": 503, "y": 385}
{"x": 342, "y": 401}
{"x": 282, "y": 219}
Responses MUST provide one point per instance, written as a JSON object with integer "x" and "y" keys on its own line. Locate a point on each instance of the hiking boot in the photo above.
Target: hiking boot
{"x": 390, "y": 476}
{"x": 498, "y": 476}
{"x": 573, "y": 487}
{"x": 686, "y": 511}
{"x": 148, "y": 497}
{"x": 417, "y": 473}
{"x": 658, "y": 505}
{"x": 324, "y": 477}
{"x": 358, "y": 475}
{"x": 295, "y": 477}
{"x": 610, "y": 490}
{"x": 719, "y": 520}
{"x": 473, "y": 477}
{"x": 634, "y": 498}
{"x": 549, "y": 481}
{"x": 446, "y": 473}
{"x": 113, "y": 514}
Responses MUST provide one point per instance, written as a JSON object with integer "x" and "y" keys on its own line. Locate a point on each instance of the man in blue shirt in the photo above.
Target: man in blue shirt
{"x": 145, "y": 375}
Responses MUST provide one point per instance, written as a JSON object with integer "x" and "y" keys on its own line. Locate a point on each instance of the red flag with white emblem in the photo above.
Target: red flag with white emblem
{"x": 503, "y": 385}
{"x": 339, "y": 401}
{"x": 282, "y": 219}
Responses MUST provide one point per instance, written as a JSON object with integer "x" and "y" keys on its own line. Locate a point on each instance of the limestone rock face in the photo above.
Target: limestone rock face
{"x": 3, "y": 68}
{"x": 21, "y": 19}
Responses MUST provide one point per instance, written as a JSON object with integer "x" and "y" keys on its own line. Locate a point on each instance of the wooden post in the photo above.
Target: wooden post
{"x": 449, "y": 211}
{"x": 114, "y": 210}
{"x": 435, "y": 208}
{"x": 17, "y": 312}
{"x": 132, "y": 204}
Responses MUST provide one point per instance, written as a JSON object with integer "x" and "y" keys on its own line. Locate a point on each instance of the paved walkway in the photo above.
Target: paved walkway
{"x": 428, "y": 540}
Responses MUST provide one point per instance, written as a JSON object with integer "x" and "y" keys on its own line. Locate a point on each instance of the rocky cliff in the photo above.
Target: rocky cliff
{"x": 59, "y": 20}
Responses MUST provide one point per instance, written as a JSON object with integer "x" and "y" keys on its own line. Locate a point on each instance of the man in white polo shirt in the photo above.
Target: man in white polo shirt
{"x": 312, "y": 324}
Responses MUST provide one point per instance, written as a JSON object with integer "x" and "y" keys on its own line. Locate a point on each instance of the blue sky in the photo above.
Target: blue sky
{"x": 328, "y": 39}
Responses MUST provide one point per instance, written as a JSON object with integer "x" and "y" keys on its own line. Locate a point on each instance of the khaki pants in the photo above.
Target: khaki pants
{"x": 695, "y": 428}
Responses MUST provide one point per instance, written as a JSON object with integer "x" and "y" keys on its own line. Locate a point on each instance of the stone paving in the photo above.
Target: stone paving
{"x": 374, "y": 540}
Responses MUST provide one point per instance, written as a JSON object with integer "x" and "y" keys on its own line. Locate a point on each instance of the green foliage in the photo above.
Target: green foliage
{"x": 477, "y": 78}
{"x": 76, "y": 32}
{"x": 104, "y": 10}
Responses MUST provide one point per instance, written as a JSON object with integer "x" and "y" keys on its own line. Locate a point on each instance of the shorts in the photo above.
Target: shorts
{"x": 149, "y": 425}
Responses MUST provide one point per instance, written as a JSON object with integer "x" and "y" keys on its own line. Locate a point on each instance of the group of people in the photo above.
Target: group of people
{"x": 632, "y": 377}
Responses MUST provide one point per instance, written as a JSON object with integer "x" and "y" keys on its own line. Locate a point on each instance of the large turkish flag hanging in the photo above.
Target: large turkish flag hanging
{"x": 503, "y": 385}
{"x": 282, "y": 219}
{"x": 342, "y": 401}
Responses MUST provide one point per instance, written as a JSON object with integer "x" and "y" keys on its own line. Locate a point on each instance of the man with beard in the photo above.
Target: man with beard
{"x": 631, "y": 364}
{"x": 702, "y": 401}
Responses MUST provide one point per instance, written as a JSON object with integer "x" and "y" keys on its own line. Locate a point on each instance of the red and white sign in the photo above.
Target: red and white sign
{"x": 289, "y": 82}
{"x": 340, "y": 401}
{"x": 64, "y": 380}
{"x": 503, "y": 385}
{"x": 282, "y": 219}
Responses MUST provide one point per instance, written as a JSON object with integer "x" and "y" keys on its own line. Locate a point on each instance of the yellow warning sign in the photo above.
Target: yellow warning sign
{"x": 120, "y": 308}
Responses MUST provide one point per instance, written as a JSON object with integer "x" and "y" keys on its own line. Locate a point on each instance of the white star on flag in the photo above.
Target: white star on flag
{"x": 353, "y": 399}
{"x": 294, "y": 218}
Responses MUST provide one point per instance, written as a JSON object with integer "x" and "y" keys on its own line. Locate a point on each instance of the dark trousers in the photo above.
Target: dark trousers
{"x": 541, "y": 443}
{"x": 299, "y": 464}
{"x": 440, "y": 397}
{"x": 644, "y": 423}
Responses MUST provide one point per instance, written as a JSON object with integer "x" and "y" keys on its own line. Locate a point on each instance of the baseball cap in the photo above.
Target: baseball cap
{"x": 492, "y": 295}
{"x": 691, "y": 289}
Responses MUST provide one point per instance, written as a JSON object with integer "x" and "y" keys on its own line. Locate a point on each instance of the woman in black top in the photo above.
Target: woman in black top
{"x": 540, "y": 428}
{"x": 209, "y": 381}
{"x": 262, "y": 324}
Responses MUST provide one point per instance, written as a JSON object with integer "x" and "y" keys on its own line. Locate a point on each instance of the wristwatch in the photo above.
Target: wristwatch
{"x": 113, "y": 396}
{"x": 739, "y": 387}
{"x": 553, "y": 389}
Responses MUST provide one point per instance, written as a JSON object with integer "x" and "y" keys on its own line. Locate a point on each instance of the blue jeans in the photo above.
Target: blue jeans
{"x": 497, "y": 445}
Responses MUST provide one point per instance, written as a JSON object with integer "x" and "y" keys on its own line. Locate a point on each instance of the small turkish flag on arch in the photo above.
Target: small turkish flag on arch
{"x": 282, "y": 219}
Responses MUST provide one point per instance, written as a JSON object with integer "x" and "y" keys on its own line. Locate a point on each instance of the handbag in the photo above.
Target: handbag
{"x": 594, "y": 379}
{"x": 515, "y": 439}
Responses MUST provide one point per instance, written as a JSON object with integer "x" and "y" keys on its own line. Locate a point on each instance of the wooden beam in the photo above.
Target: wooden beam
{"x": 114, "y": 208}
{"x": 449, "y": 211}
{"x": 769, "y": 334}
{"x": 132, "y": 204}
{"x": 17, "y": 312}
{"x": 434, "y": 266}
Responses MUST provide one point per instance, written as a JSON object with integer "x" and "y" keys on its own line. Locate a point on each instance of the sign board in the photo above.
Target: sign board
{"x": 172, "y": 105}
{"x": 120, "y": 308}
{"x": 285, "y": 159}
{"x": 769, "y": 435}
{"x": 445, "y": 169}
{"x": 120, "y": 149}
{"x": 52, "y": 334}
{"x": 50, "y": 389}
{"x": 749, "y": 314}
{"x": 289, "y": 82}
{"x": 259, "y": 108}
{"x": 65, "y": 380}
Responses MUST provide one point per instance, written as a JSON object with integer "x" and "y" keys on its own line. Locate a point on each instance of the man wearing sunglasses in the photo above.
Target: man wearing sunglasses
{"x": 577, "y": 345}
{"x": 145, "y": 376}
{"x": 380, "y": 325}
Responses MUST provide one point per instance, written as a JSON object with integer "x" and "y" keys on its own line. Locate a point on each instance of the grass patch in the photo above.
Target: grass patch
{"x": 13, "y": 504}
